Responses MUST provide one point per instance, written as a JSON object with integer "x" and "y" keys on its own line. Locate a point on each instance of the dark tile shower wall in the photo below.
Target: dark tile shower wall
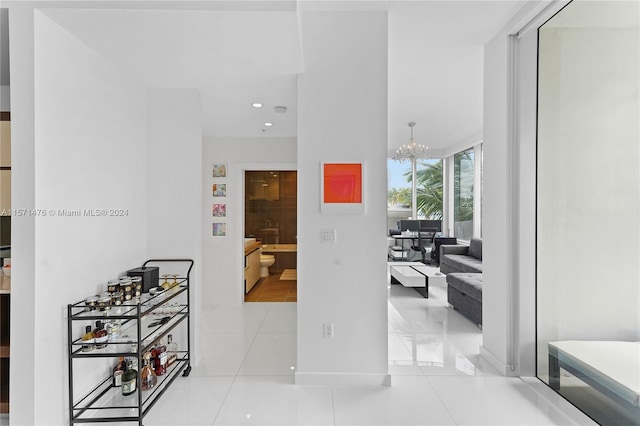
{"x": 271, "y": 206}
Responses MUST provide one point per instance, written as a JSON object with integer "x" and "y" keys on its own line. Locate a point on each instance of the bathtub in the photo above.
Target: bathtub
{"x": 279, "y": 248}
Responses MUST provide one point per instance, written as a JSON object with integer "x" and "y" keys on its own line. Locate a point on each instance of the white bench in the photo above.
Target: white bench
{"x": 611, "y": 367}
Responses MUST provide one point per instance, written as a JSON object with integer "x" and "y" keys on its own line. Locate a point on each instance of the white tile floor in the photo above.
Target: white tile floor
{"x": 246, "y": 375}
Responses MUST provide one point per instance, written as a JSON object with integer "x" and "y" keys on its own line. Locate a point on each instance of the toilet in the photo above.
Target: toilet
{"x": 266, "y": 260}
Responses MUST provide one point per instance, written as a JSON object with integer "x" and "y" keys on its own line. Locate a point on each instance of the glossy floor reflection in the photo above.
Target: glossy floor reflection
{"x": 245, "y": 375}
{"x": 427, "y": 337}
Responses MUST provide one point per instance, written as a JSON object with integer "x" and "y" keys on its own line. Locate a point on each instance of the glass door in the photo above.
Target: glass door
{"x": 588, "y": 208}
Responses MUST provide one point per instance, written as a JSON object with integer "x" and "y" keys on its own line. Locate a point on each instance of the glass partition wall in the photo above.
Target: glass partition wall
{"x": 588, "y": 209}
{"x": 271, "y": 209}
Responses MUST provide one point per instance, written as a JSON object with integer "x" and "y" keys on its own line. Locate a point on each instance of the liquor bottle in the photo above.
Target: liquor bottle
{"x": 172, "y": 350}
{"x": 134, "y": 357}
{"x": 153, "y": 355}
{"x": 118, "y": 372}
{"x": 88, "y": 340}
{"x": 129, "y": 379}
{"x": 147, "y": 375}
{"x": 101, "y": 335}
{"x": 161, "y": 359}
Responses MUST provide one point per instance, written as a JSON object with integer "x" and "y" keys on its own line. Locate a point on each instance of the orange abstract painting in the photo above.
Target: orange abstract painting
{"x": 342, "y": 183}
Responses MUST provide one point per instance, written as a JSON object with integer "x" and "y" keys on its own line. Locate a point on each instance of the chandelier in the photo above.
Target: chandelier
{"x": 412, "y": 150}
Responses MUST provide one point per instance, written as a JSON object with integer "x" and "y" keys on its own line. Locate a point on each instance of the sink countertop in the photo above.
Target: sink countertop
{"x": 280, "y": 248}
{"x": 252, "y": 247}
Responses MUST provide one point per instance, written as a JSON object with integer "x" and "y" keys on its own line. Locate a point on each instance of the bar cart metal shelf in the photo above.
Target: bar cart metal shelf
{"x": 144, "y": 322}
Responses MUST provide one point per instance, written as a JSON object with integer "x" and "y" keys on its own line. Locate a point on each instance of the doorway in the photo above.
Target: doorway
{"x": 270, "y": 218}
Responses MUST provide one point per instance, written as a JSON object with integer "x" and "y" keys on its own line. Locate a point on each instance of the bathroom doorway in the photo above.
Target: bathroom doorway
{"x": 270, "y": 227}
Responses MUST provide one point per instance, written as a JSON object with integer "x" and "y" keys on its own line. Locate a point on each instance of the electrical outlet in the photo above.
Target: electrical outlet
{"x": 328, "y": 330}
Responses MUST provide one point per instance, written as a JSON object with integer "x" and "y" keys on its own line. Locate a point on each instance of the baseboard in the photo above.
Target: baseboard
{"x": 347, "y": 379}
{"x": 496, "y": 363}
{"x": 573, "y": 415}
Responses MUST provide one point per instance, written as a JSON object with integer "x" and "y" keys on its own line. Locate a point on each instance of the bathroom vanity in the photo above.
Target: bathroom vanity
{"x": 251, "y": 263}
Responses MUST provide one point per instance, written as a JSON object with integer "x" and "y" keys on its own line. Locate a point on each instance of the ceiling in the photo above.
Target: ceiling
{"x": 236, "y": 57}
{"x": 436, "y": 57}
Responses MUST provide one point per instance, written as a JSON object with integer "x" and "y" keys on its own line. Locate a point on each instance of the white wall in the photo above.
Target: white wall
{"x": 23, "y": 355}
{"x": 342, "y": 100}
{"x": 90, "y": 146}
{"x": 508, "y": 298}
{"x": 174, "y": 173}
{"x": 495, "y": 205}
{"x": 174, "y": 187}
{"x": 223, "y": 261}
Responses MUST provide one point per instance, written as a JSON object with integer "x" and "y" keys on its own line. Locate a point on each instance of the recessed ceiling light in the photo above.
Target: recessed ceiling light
{"x": 280, "y": 109}
{"x": 256, "y": 105}
{"x": 268, "y": 124}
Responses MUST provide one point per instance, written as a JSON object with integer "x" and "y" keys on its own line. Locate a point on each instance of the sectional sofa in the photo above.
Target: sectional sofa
{"x": 460, "y": 258}
{"x": 463, "y": 267}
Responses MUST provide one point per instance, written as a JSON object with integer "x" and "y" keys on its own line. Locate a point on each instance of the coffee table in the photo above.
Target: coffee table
{"x": 416, "y": 275}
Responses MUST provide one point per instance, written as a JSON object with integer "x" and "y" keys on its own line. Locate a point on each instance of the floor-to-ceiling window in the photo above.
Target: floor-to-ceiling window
{"x": 429, "y": 183}
{"x": 463, "y": 194}
{"x": 429, "y": 180}
{"x": 588, "y": 208}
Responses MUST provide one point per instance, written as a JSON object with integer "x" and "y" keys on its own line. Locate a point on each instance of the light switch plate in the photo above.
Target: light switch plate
{"x": 328, "y": 235}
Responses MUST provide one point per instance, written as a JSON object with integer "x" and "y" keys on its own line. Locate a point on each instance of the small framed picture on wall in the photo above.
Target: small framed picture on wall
{"x": 219, "y": 189}
{"x": 219, "y": 210}
{"x": 219, "y": 170}
{"x": 219, "y": 229}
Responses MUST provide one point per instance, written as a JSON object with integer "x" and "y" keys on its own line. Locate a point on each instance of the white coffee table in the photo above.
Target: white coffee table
{"x": 416, "y": 275}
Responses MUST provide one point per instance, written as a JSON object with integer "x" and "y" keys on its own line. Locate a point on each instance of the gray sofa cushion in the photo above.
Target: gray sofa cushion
{"x": 469, "y": 284}
{"x": 475, "y": 248}
{"x": 461, "y": 258}
{"x": 460, "y": 263}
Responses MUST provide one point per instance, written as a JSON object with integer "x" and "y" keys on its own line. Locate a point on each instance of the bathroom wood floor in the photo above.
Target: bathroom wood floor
{"x": 272, "y": 289}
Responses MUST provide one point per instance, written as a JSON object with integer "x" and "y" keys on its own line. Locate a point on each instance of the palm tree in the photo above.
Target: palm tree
{"x": 399, "y": 197}
{"x": 429, "y": 189}
{"x": 463, "y": 186}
